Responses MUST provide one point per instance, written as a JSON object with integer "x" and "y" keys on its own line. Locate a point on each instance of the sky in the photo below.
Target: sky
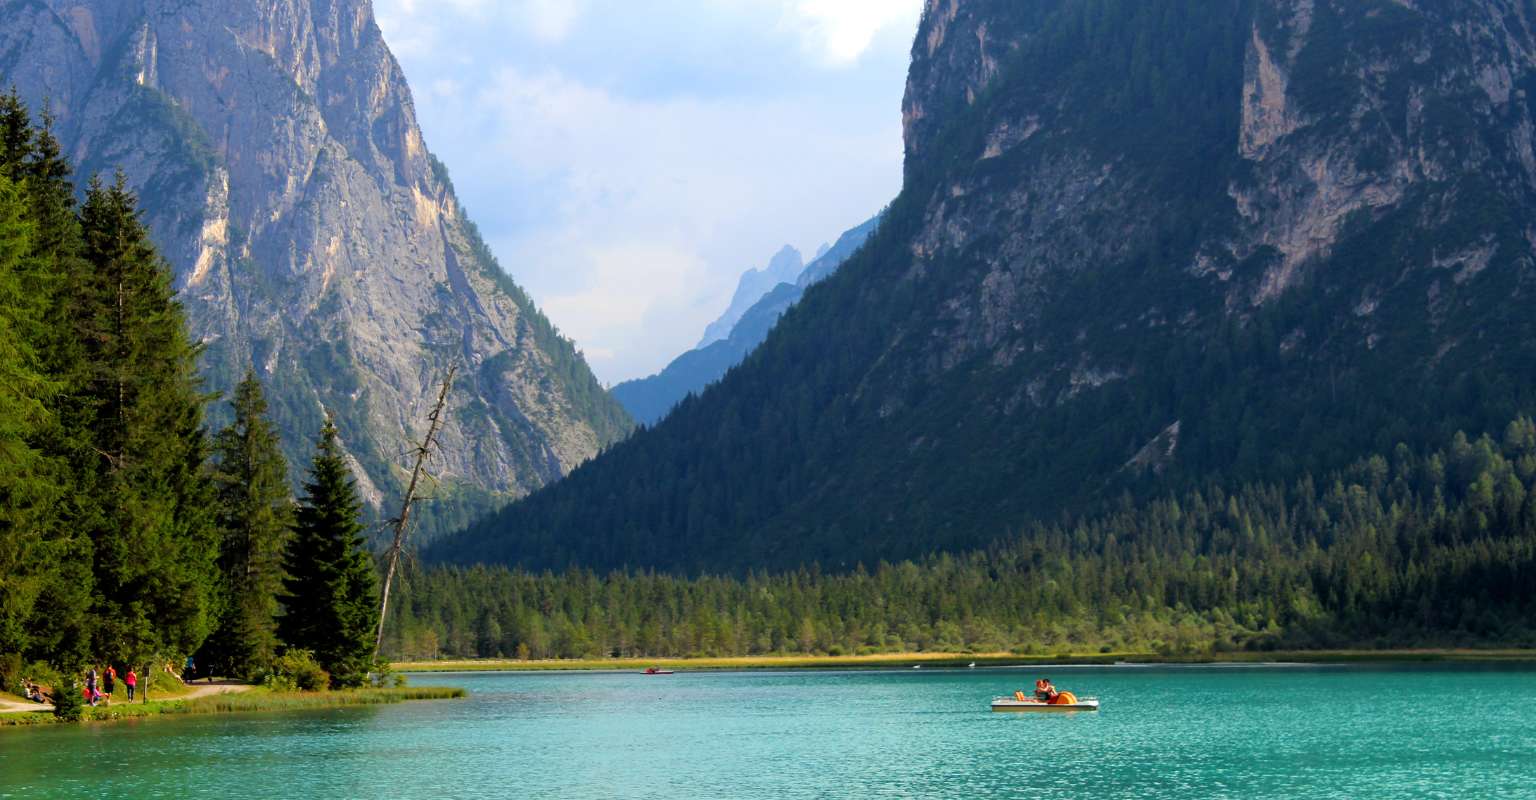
{"x": 627, "y": 161}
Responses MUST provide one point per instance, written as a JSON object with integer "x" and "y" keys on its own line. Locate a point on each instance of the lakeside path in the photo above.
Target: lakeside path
{"x": 9, "y": 704}
{"x": 952, "y": 660}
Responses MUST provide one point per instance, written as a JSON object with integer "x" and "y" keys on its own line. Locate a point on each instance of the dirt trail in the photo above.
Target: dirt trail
{"x": 8, "y": 706}
{"x": 16, "y": 707}
{"x": 206, "y": 689}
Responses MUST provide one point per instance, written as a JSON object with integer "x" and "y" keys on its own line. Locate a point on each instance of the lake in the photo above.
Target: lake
{"x": 1164, "y": 732}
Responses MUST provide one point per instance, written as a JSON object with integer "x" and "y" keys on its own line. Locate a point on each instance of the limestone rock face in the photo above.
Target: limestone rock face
{"x": 276, "y": 153}
{"x": 1333, "y": 117}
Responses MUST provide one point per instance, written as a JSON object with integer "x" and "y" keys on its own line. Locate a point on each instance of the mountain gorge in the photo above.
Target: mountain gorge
{"x": 1140, "y": 246}
{"x": 313, "y": 236}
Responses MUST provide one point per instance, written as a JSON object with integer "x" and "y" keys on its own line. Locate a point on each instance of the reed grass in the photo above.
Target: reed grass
{"x": 254, "y": 700}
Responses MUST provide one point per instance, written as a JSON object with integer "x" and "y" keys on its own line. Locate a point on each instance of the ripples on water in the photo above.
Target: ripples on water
{"x": 1163, "y": 733}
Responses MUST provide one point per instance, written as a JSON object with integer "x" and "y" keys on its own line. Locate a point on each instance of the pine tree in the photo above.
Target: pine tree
{"x": 154, "y": 543}
{"x": 331, "y": 603}
{"x": 255, "y": 519}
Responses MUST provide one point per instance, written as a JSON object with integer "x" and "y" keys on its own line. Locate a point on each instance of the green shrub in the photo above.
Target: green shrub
{"x": 67, "y": 703}
{"x": 297, "y": 669}
{"x": 383, "y": 676}
{"x": 278, "y": 683}
{"x": 10, "y": 673}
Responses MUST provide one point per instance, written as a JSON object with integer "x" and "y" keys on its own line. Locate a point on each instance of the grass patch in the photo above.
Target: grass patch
{"x": 908, "y": 660}
{"x": 253, "y": 700}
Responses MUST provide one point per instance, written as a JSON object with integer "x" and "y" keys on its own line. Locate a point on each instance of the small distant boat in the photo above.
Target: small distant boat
{"x": 917, "y": 666}
{"x": 971, "y": 665}
{"x": 1066, "y": 702}
{"x": 655, "y": 671}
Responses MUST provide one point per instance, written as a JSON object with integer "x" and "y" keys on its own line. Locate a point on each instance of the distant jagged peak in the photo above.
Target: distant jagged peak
{"x": 784, "y": 267}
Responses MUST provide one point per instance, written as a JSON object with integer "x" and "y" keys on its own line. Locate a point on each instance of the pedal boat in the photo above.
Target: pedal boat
{"x": 1031, "y": 704}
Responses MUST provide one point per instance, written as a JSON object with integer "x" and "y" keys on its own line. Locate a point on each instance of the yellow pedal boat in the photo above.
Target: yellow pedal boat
{"x": 1031, "y": 704}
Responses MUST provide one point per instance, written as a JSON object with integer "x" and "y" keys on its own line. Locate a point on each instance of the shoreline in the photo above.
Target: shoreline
{"x": 244, "y": 702}
{"x": 895, "y": 661}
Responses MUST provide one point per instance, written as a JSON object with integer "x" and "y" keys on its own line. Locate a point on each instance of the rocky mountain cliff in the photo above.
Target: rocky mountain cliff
{"x": 649, "y": 399}
{"x": 1141, "y": 245}
{"x": 314, "y": 237}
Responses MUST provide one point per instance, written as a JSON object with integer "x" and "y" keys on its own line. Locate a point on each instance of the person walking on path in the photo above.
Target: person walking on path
{"x": 91, "y": 692}
{"x": 109, "y": 682}
{"x": 131, "y": 680}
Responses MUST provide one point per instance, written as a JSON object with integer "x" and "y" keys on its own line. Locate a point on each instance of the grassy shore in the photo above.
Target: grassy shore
{"x": 243, "y": 702}
{"x": 909, "y": 660}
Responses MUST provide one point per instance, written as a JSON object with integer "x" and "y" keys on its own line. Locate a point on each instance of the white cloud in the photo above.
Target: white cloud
{"x": 552, "y": 20}
{"x": 650, "y": 203}
{"x": 420, "y": 27}
{"x": 627, "y": 162}
{"x": 840, "y": 31}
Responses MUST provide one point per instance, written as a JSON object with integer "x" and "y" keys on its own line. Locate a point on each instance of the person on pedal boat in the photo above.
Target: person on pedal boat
{"x": 1045, "y": 692}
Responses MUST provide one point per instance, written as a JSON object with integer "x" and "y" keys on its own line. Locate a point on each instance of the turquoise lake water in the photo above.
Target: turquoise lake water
{"x": 1240, "y": 732}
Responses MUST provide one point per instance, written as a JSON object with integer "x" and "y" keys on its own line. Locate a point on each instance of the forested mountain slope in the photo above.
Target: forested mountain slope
{"x": 1401, "y": 549}
{"x": 275, "y": 148}
{"x": 1140, "y": 244}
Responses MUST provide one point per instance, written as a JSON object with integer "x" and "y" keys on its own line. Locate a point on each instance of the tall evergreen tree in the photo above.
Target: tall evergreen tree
{"x": 255, "y": 509}
{"x": 58, "y": 631}
{"x": 16, "y": 135}
{"x": 41, "y": 314}
{"x": 331, "y": 604}
{"x": 155, "y": 544}
{"x": 24, "y": 488}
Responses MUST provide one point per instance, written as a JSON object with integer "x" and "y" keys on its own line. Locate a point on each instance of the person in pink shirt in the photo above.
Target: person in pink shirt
{"x": 131, "y": 680}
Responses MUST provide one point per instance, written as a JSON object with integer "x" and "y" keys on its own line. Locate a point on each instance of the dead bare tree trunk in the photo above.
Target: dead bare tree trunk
{"x": 423, "y": 454}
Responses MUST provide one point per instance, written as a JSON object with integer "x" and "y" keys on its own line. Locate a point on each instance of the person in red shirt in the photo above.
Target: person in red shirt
{"x": 131, "y": 680}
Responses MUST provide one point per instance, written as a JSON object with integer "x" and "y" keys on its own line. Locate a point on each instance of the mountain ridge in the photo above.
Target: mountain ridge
{"x": 312, "y": 233}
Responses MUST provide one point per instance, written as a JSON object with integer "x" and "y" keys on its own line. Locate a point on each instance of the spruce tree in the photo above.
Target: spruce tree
{"x": 58, "y": 628}
{"x": 255, "y": 510}
{"x": 153, "y": 542}
{"x": 16, "y": 135}
{"x": 331, "y": 603}
{"x": 25, "y": 491}
{"x": 43, "y": 501}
